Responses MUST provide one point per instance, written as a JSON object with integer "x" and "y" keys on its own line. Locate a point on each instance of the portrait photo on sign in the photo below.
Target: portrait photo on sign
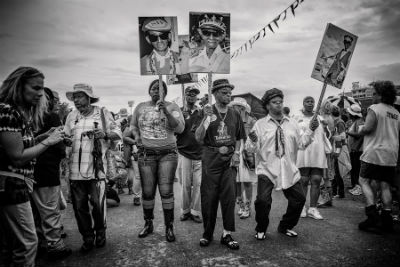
{"x": 334, "y": 56}
{"x": 210, "y": 32}
{"x": 182, "y": 78}
{"x": 159, "y": 48}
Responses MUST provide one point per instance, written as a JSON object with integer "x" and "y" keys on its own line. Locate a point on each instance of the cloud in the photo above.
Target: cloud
{"x": 58, "y": 62}
{"x": 383, "y": 72}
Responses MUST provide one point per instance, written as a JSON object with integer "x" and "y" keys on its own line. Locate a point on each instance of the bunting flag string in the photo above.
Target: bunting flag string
{"x": 293, "y": 6}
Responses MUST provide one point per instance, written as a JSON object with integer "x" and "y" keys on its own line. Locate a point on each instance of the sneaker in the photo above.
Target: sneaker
{"x": 86, "y": 247}
{"x": 314, "y": 213}
{"x": 58, "y": 250}
{"x": 197, "y": 219}
{"x": 136, "y": 201}
{"x": 303, "y": 212}
{"x": 229, "y": 242}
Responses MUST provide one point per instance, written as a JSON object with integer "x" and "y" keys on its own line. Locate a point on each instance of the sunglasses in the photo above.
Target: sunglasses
{"x": 191, "y": 94}
{"x": 154, "y": 38}
{"x": 208, "y": 33}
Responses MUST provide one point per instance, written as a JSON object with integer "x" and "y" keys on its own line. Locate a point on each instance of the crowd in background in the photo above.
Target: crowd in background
{"x": 216, "y": 152}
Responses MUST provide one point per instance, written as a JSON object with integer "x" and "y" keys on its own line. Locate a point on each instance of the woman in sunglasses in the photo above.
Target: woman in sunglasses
{"x": 214, "y": 57}
{"x": 162, "y": 60}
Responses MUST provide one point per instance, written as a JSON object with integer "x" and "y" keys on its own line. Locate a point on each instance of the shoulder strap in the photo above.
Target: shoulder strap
{"x": 103, "y": 120}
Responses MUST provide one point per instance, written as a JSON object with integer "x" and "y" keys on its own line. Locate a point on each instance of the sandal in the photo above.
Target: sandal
{"x": 204, "y": 242}
{"x": 288, "y": 232}
{"x": 229, "y": 242}
{"x": 260, "y": 235}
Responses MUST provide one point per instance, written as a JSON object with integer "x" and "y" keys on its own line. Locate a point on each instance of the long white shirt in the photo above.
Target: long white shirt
{"x": 282, "y": 171}
{"x": 314, "y": 155}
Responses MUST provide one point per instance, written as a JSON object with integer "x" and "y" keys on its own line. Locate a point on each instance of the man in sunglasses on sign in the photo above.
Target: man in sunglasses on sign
{"x": 212, "y": 58}
{"x": 161, "y": 60}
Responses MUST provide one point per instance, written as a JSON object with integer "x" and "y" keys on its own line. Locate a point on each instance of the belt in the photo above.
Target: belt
{"x": 150, "y": 152}
{"x": 222, "y": 149}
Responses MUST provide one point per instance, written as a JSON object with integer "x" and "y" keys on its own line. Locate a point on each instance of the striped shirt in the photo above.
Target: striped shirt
{"x": 75, "y": 125}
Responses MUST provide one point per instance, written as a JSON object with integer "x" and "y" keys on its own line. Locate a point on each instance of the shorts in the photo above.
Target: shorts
{"x": 377, "y": 172}
{"x": 308, "y": 171}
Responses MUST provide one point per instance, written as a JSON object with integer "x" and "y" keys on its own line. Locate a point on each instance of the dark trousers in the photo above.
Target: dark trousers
{"x": 337, "y": 182}
{"x": 217, "y": 185}
{"x": 294, "y": 195}
{"x": 355, "y": 167}
{"x": 81, "y": 193}
{"x": 158, "y": 169}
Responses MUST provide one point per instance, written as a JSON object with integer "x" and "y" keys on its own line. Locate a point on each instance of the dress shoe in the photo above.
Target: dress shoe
{"x": 148, "y": 229}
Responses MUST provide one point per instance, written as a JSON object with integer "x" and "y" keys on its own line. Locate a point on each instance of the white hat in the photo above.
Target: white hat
{"x": 238, "y": 101}
{"x": 355, "y": 110}
{"x": 84, "y": 88}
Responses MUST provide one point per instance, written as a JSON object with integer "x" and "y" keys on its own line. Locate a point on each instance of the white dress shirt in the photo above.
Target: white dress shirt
{"x": 219, "y": 62}
{"x": 282, "y": 171}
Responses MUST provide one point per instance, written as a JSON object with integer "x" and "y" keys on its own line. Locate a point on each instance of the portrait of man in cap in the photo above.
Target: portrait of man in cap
{"x": 159, "y": 46}
{"x": 211, "y": 31}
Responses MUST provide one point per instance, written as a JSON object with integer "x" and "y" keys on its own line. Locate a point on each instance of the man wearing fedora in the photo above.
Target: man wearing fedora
{"x": 161, "y": 60}
{"x": 189, "y": 158}
{"x": 355, "y": 143}
{"x": 220, "y": 132}
{"x": 84, "y": 125}
{"x": 276, "y": 139}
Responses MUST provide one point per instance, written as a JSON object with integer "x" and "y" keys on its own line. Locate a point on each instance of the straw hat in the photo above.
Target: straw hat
{"x": 238, "y": 101}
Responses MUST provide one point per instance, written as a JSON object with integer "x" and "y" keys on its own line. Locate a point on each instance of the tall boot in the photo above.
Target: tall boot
{"x": 169, "y": 226}
{"x": 387, "y": 221}
{"x": 148, "y": 226}
{"x": 372, "y": 223}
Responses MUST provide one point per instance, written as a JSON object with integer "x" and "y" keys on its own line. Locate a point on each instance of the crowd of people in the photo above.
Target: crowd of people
{"x": 216, "y": 152}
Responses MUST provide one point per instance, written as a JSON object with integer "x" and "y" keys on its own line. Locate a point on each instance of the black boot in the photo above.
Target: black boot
{"x": 169, "y": 227}
{"x": 372, "y": 223}
{"x": 387, "y": 221}
{"x": 148, "y": 227}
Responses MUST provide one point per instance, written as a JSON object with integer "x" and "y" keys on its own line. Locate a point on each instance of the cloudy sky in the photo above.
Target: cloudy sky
{"x": 96, "y": 42}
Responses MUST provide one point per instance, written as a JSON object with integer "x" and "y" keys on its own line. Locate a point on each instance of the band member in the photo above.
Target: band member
{"x": 276, "y": 140}
{"x": 221, "y": 132}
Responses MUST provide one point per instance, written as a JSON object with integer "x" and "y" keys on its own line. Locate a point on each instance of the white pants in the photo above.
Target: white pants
{"x": 189, "y": 173}
{"x": 134, "y": 179}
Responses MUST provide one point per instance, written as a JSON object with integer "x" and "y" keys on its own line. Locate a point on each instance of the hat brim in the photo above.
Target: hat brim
{"x": 70, "y": 94}
{"x": 197, "y": 91}
{"x": 212, "y": 27}
{"x": 219, "y": 86}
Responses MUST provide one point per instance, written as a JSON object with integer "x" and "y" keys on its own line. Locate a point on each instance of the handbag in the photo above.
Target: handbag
{"x": 249, "y": 160}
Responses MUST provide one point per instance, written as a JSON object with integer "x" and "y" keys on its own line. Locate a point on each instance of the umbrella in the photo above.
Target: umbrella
{"x": 342, "y": 101}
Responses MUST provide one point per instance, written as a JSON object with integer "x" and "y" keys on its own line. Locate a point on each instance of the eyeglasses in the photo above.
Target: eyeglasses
{"x": 208, "y": 33}
{"x": 154, "y": 38}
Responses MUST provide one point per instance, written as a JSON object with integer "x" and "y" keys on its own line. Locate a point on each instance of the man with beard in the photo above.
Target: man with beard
{"x": 161, "y": 60}
{"x": 212, "y": 58}
{"x": 220, "y": 132}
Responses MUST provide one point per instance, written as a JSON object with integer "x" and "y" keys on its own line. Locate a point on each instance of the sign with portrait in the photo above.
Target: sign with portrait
{"x": 210, "y": 34}
{"x": 159, "y": 48}
{"x": 334, "y": 56}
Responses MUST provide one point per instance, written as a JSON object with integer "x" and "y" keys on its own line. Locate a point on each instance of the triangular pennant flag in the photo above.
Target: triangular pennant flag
{"x": 269, "y": 26}
{"x": 285, "y": 14}
{"x": 245, "y": 46}
{"x": 276, "y": 20}
{"x": 294, "y": 6}
{"x": 264, "y": 32}
{"x": 257, "y": 36}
